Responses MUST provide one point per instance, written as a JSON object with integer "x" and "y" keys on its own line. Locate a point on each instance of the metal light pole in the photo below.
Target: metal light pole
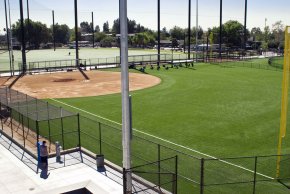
{"x": 22, "y": 38}
{"x": 53, "y": 30}
{"x": 93, "y": 29}
{"x": 221, "y": 23}
{"x": 28, "y": 23}
{"x": 76, "y": 33}
{"x": 189, "y": 26}
{"x": 196, "y": 31}
{"x": 8, "y": 31}
{"x": 158, "y": 32}
{"x": 11, "y": 41}
{"x": 245, "y": 24}
{"x": 125, "y": 94}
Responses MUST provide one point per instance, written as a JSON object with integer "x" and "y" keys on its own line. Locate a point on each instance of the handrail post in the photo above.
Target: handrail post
{"x": 100, "y": 137}
{"x": 202, "y": 176}
{"x": 255, "y": 175}
{"x": 159, "y": 167}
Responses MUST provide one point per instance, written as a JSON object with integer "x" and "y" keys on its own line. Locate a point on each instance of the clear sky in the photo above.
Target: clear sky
{"x": 173, "y": 12}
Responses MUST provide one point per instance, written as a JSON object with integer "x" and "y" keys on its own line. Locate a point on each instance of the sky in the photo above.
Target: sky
{"x": 173, "y": 12}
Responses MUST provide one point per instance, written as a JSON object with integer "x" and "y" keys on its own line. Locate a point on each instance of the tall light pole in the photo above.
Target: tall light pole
{"x": 76, "y": 32}
{"x": 8, "y": 31}
{"x": 158, "y": 32}
{"x": 53, "y": 30}
{"x": 11, "y": 41}
{"x": 126, "y": 135}
{"x": 221, "y": 23}
{"x": 245, "y": 24}
{"x": 22, "y": 38}
{"x": 189, "y": 30}
{"x": 93, "y": 29}
{"x": 28, "y": 23}
{"x": 196, "y": 31}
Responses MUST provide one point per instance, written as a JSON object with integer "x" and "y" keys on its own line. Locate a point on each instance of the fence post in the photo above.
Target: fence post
{"x": 202, "y": 176}
{"x": 100, "y": 137}
{"x": 176, "y": 171}
{"x": 79, "y": 131}
{"x": 23, "y": 130}
{"x": 255, "y": 175}
{"x": 62, "y": 135}
{"x": 159, "y": 167}
{"x": 48, "y": 123}
{"x": 124, "y": 181}
{"x": 11, "y": 120}
{"x": 37, "y": 131}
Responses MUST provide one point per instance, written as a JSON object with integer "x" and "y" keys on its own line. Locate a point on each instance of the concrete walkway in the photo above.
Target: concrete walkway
{"x": 18, "y": 174}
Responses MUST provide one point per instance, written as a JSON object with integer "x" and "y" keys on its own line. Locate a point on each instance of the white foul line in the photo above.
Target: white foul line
{"x": 164, "y": 140}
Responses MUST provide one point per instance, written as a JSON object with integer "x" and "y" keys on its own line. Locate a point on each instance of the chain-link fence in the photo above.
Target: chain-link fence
{"x": 28, "y": 120}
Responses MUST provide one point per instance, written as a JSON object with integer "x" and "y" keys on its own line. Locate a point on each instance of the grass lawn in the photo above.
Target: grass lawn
{"x": 218, "y": 110}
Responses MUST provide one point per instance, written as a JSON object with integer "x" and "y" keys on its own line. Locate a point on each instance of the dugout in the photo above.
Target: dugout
{"x": 28, "y": 120}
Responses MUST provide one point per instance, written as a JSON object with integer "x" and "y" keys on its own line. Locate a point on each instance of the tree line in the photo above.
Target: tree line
{"x": 232, "y": 34}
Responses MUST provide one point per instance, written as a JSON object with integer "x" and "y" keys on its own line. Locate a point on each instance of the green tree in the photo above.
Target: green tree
{"x": 86, "y": 27}
{"x": 97, "y": 28}
{"x": 61, "y": 33}
{"x": 99, "y": 36}
{"x": 107, "y": 41}
{"x": 106, "y": 28}
{"x": 72, "y": 34}
{"x": 36, "y": 31}
{"x": 177, "y": 33}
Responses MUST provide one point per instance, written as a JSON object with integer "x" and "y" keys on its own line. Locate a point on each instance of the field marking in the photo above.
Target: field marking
{"x": 164, "y": 140}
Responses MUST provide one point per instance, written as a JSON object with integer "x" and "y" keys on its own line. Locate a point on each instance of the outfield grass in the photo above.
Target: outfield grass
{"x": 218, "y": 111}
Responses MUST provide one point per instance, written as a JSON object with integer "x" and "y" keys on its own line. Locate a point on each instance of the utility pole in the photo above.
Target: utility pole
{"x": 189, "y": 26}
{"x": 76, "y": 33}
{"x": 158, "y": 32}
{"x": 28, "y": 23}
{"x": 10, "y": 38}
{"x": 53, "y": 30}
{"x": 245, "y": 24}
{"x": 22, "y": 38}
{"x": 93, "y": 29}
{"x": 221, "y": 23}
{"x": 8, "y": 31}
{"x": 125, "y": 95}
{"x": 196, "y": 31}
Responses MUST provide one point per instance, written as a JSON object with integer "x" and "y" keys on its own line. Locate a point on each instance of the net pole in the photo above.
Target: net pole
{"x": 284, "y": 103}
{"x": 189, "y": 30}
{"x": 76, "y": 32}
{"x": 126, "y": 142}
{"x": 7, "y": 36}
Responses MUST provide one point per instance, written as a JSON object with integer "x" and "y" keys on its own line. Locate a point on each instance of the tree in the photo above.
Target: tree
{"x": 257, "y": 34}
{"x": 177, "y": 33}
{"x": 107, "y": 41}
{"x": 174, "y": 43}
{"x": 86, "y": 27}
{"x": 106, "y": 28}
{"x": 61, "y": 33}
{"x": 278, "y": 33}
{"x": 72, "y": 34}
{"x": 97, "y": 28}
{"x": 131, "y": 26}
{"x": 164, "y": 34}
{"x": 36, "y": 31}
{"x": 99, "y": 36}
{"x": 143, "y": 39}
{"x": 116, "y": 26}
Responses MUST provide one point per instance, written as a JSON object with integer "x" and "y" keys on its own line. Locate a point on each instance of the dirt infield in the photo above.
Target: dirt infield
{"x": 77, "y": 84}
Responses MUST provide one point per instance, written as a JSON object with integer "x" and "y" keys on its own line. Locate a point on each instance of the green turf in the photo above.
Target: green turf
{"x": 222, "y": 112}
